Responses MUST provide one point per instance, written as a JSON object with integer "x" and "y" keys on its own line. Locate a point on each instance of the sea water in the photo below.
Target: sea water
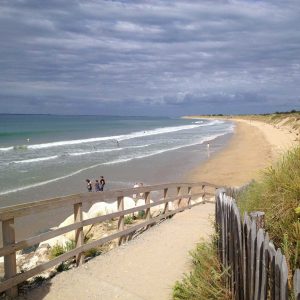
{"x": 47, "y": 155}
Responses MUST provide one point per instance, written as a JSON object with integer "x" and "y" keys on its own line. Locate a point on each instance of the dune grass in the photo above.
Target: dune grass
{"x": 278, "y": 195}
{"x": 206, "y": 281}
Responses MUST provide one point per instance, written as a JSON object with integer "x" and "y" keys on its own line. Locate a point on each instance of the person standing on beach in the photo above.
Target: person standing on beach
{"x": 89, "y": 185}
{"x": 208, "y": 151}
{"x": 102, "y": 183}
{"x": 97, "y": 186}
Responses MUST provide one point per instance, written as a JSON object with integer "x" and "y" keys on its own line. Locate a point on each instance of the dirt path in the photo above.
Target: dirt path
{"x": 145, "y": 268}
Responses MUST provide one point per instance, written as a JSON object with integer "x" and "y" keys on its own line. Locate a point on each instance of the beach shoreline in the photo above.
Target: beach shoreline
{"x": 250, "y": 149}
{"x": 254, "y": 146}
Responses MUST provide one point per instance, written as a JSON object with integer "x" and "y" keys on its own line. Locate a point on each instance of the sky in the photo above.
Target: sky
{"x": 151, "y": 58}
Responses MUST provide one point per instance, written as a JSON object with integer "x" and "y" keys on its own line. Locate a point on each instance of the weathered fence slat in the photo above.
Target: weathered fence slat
{"x": 278, "y": 263}
{"x": 257, "y": 270}
{"x": 265, "y": 268}
{"x": 297, "y": 284}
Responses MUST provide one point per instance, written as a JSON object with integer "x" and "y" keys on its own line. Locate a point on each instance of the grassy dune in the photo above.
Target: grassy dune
{"x": 278, "y": 195}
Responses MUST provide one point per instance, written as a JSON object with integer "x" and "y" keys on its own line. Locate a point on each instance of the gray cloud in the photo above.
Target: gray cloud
{"x": 149, "y": 57}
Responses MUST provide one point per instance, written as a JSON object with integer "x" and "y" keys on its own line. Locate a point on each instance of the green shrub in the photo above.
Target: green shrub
{"x": 278, "y": 195}
{"x": 128, "y": 220}
{"x": 62, "y": 267}
{"x": 92, "y": 252}
{"x": 57, "y": 250}
{"x": 70, "y": 245}
{"x": 141, "y": 214}
{"x": 206, "y": 281}
{"x": 38, "y": 280}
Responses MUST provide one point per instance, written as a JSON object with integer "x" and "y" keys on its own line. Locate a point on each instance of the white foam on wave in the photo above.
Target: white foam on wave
{"x": 7, "y": 148}
{"x": 95, "y": 151}
{"x": 105, "y": 150}
{"x": 116, "y": 138}
{"x": 33, "y": 160}
{"x": 201, "y": 141}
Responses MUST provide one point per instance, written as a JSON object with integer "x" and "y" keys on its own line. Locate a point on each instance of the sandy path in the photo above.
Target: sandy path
{"x": 146, "y": 268}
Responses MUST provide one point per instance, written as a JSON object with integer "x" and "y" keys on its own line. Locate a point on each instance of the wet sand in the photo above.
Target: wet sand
{"x": 253, "y": 147}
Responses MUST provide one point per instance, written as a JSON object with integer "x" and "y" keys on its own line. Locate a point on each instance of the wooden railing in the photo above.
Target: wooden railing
{"x": 257, "y": 270}
{"x": 8, "y": 215}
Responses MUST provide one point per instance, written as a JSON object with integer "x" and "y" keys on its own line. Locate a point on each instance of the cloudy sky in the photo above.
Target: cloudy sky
{"x": 149, "y": 57}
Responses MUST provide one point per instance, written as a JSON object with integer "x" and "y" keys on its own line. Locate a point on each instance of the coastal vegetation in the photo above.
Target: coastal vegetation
{"x": 289, "y": 120}
{"x": 277, "y": 194}
{"x": 206, "y": 281}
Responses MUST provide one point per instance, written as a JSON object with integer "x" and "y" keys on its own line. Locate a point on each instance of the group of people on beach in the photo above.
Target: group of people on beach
{"x": 98, "y": 185}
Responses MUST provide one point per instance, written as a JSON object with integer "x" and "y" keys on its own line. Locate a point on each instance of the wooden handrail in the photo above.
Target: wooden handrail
{"x": 59, "y": 231}
{"x": 28, "y": 274}
{"x": 9, "y": 214}
{"x": 29, "y": 208}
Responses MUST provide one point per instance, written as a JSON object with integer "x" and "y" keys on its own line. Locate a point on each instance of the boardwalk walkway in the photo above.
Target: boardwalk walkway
{"x": 145, "y": 268}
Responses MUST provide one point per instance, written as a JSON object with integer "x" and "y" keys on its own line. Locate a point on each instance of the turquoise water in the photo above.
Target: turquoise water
{"x": 38, "y": 150}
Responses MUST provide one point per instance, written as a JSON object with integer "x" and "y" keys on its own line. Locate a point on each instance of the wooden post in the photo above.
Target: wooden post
{"x": 10, "y": 263}
{"x": 166, "y": 209}
{"x": 147, "y": 201}
{"x": 79, "y": 237}
{"x": 190, "y": 193}
{"x": 203, "y": 196}
{"x": 121, "y": 218}
{"x": 178, "y": 194}
{"x": 259, "y": 218}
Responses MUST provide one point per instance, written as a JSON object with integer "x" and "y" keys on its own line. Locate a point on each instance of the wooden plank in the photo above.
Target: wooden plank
{"x": 204, "y": 191}
{"x": 121, "y": 218}
{"x": 10, "y": 262}
{"x": 40, "y": 208}
{"x": 259, "y": 218}
{"x": 28, "y": 274}
{"x": 42, "y": 205}
{"x": 48, "y": 235}
{"x": 278, "y": 264}
{"x": 189, "y": 193}
{"x": 272, "y": 253}
{"x": 147, "y": 201}
{"x": 265, "y": 269}
{"x": 296, "y": 283}
{"x": 79, "y": 237}
{"x": 252, "y": 258}
{"x": 284, "y": 280}
{"x": 239, "y": 254}
{"x": 166, "y": 208}
{"x": 259, "y": 260}
{"x": 178, "y": 195}
{"x": 247, "y": 247}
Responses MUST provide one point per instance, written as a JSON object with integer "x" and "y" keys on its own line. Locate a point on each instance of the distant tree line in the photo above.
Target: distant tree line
{"x": 293, "y": 111}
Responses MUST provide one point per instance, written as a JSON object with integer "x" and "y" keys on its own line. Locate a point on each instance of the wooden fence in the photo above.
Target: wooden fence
{"x": 257, "y": 270}
{"x": 169, "y": 192}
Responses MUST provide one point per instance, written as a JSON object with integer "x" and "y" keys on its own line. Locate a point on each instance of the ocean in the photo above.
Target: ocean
{"x": 43, "y": 156}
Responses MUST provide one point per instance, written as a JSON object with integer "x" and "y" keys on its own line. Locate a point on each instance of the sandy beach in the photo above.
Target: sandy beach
{"x": 254, "y": 146}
